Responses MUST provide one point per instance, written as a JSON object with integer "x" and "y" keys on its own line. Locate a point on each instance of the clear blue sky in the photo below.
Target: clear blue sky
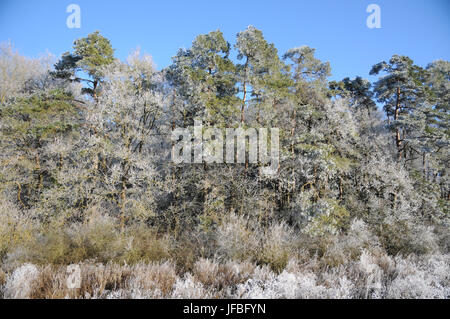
{"x": 337, "y": 29}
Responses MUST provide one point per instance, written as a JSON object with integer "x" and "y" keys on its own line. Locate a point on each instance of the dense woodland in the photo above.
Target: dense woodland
{"x": 359, "y": 207}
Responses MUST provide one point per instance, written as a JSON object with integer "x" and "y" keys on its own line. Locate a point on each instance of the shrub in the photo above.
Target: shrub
{"x": 241, "y": 239}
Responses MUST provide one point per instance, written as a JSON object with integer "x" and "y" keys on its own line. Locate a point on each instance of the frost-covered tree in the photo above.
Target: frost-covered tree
{"x": 19, "y": 74}
{"x": 416, "y": 109}
{"x": 126, "y": 135}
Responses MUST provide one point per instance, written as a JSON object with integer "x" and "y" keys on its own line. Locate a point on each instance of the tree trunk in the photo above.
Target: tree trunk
{"x": 38, "y": 169}
{"x": 122, "y": 205}
{"x": 245, "y": 92}
{"x": 398, "y": 140}
{"x": 94, "y": 91}
{"x": 424, "y": 166}
{"x": 243, "y": 103}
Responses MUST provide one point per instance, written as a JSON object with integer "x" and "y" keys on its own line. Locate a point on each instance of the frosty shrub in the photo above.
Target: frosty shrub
{"x": 240, "y": 238}
{"x": 98, "y": 238}
{"x": 421, "y": 278}
{"x": 15, "y": 228}
{"x": 20, "y": 284}
{"x": 189, "y": 288}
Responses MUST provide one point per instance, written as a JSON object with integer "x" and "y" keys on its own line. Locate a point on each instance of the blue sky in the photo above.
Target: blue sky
{"x": 336, "y": 28}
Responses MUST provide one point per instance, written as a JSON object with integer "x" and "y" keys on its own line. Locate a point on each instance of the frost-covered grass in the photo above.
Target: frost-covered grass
{"x": 369, "y": 277}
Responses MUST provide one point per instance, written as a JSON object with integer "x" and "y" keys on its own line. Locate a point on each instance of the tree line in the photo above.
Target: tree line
{"x": 93, "y": 132}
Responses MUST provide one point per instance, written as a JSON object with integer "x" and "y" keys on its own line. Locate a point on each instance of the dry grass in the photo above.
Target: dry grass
{"x": 370, "y": 276}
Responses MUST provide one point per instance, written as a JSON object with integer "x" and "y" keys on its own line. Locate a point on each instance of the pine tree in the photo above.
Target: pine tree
{"x": 357, "y": 91}
{"x": 401, "y": 91}
{"x": 89, "y": 55}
